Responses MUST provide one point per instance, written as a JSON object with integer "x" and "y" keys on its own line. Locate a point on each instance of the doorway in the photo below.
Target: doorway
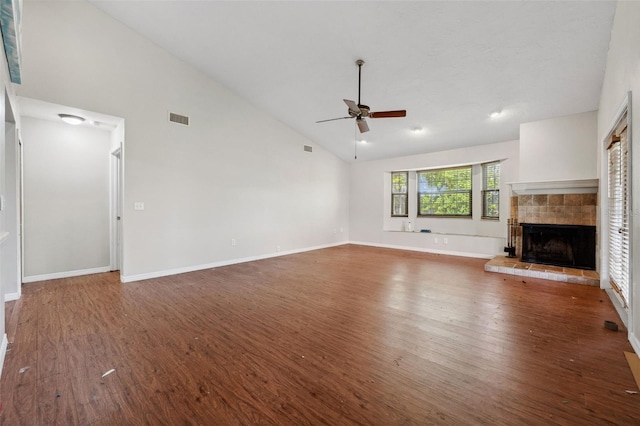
{"x": 73, "y": 180}
{"x": 617, "y": 220}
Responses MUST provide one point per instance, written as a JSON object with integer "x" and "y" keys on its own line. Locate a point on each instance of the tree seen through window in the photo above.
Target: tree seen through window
{"x": 445, "y": 192}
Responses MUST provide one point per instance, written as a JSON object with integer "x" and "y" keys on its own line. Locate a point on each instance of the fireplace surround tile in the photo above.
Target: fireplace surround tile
{"x": 556, "y": 200}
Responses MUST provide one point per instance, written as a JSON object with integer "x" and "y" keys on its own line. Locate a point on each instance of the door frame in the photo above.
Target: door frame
{"x": 626, "y": 314}
{"x": 115, "y": 202}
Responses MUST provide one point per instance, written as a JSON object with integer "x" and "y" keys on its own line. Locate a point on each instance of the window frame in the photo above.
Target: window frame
{"x": 469, "y": 191}
{"x": 405, "y": 193}
{"x": 485, "y": 191}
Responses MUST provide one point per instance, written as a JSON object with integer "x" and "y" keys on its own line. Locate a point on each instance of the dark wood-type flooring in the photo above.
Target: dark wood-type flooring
{"x": 346, "y": 335}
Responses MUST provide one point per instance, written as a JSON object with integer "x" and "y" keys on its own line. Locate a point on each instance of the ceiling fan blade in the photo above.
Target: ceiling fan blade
{"x": 353, "y": 107}
{"x": 388, "y": 114}
{"x": 362, "y": 125}
{"x": 333, "y": 119}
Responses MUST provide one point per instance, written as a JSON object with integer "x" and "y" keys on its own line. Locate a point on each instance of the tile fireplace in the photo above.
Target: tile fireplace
{"x": 555, "y": 233}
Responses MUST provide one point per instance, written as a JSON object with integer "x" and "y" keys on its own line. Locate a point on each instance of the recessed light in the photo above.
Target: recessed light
{"x": 71, "y": 119}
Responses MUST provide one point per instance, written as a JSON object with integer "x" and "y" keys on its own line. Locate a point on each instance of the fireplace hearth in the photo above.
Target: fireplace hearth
{"x": 571, "y": 246}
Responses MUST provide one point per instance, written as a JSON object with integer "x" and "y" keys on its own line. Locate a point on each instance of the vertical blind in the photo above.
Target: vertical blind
{"x": 618, "y": 203}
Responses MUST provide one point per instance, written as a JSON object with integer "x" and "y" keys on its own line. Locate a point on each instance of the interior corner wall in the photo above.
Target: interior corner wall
{"x": 66, "y": 198}
{"x": 561, "y": 148}
{"x": 622, "y": 75}
{"x": 7, "y": 93}
{"x": 371, "y": 221}
{"x": 235, "y": 174}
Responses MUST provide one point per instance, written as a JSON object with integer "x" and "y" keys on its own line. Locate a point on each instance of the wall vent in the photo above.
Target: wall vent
{"x": 308, "y": 148}
{"x": 179, "y": 119}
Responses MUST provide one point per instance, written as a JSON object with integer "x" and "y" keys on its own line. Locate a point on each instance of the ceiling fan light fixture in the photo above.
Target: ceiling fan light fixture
{"x": 71, "y": 119}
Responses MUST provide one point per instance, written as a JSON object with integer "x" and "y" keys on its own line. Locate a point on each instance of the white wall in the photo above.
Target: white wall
{"x": 559, "y": 149}
{"x": 235, "y": 173}
{"x": 66, "y": 198}
{"x": 622, "y": 74}
{"x": 370, "y": 206}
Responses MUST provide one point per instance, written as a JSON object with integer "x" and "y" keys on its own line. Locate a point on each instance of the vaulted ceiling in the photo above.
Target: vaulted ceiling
{"x": 449, "y": 64}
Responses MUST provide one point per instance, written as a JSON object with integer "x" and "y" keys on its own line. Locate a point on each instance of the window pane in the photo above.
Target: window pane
{"x": 399, "y": 197}
{"x": 445, "y": 192}
{"x": 399, "y": 183}
{"x": 399, "y": 205}
{"x": 491, "y": 176}
{"x": 491, "y": 204}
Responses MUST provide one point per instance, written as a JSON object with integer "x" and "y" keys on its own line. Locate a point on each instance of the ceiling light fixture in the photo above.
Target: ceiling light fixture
{"x": 417, "y": 130}
{"x": 71, "y": 119}
{"x": 496, "y": 114}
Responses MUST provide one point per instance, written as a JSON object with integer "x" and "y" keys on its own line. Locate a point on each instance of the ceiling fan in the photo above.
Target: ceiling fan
{"x": 360, "y": 111}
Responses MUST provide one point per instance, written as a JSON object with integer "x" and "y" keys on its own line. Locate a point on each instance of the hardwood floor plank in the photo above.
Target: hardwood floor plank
{"x": 346, "y": 335}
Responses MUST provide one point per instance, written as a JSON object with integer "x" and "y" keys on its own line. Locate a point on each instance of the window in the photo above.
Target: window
{"x": 491, "y": 190}
{"x": 399, "y": 194}
{"x": 445, "y": 192}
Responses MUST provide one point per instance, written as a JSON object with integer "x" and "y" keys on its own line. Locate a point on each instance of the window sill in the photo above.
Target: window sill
{"x": 441, "y": 233}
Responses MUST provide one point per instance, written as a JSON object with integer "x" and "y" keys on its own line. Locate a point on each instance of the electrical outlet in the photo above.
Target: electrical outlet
{"x": 138, "y": 206}
{"x": 435, "y": 240}
{"x": 341, "y": 230}
{"x": 277, "y": 248}
{"x": 233, "y": 241}
{"x": 445, "y": 241}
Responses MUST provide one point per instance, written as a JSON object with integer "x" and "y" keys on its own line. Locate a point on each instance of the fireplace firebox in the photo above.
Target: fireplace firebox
{"x": 572, "y": 246}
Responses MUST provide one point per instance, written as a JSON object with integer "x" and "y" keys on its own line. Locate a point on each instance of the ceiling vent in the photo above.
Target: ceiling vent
{"x": 308, "y": 148}
{"x": 179, "y": 119}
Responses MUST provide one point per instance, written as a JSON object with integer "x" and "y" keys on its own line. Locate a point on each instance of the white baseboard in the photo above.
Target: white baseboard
{"x": 9, "y": 297}
{"x": 67, "y": 274}
{"x": 3, "y": 351}
{"x": 635, "y": 343}
{"x": 426, "y": 250}
{"x": 168, "y": 272}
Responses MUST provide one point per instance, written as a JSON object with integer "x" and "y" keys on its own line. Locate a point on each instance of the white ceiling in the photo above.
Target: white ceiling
{"x": 449, "y": 64}
{"x": 48, "y": 111}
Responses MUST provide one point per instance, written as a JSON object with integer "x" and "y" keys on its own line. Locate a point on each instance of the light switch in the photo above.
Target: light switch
{"x": 138, "y": 206}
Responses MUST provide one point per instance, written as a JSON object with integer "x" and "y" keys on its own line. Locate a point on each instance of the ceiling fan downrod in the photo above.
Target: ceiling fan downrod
{"x": 359, "y": 63}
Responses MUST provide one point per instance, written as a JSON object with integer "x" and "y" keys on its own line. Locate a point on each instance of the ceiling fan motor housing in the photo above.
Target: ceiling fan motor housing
{"x": 364, "y": 110}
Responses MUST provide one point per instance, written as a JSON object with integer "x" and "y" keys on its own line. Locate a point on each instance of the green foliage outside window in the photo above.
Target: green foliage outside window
{"x": 445, "y": 192}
